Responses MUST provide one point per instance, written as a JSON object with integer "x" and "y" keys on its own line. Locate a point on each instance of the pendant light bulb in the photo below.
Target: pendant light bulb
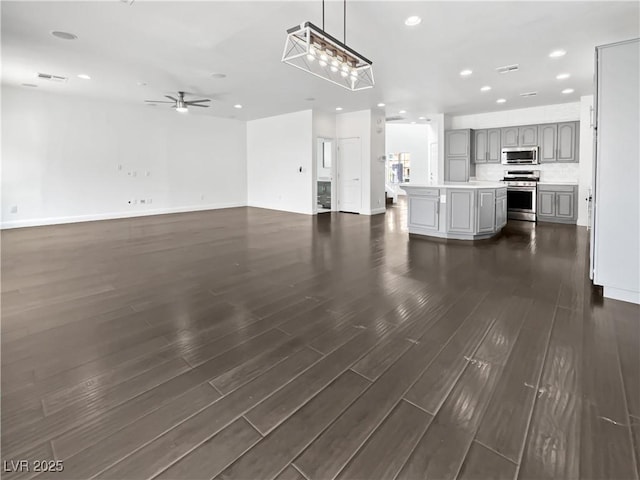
{"x": 310, "y": 57}
{"x": 322, "y": 63}
{"x": 334, "y": 68}
{"x": 182, "y": 109}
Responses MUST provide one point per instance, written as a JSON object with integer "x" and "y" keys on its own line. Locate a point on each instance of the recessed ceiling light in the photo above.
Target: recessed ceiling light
{"x": 563, "y": 76}
{"x": 381, "y": 105}
{"x": 412, "y": 21}
{"x": 237, "y": 105}
{"x": 486, "y": 88}
{"x": 29, "y": 85}
{"x": 64, "y": 35}
{"x": 218, "y": 75}
{"x": 567, "y": 90}
{"x": 338, "y": 109}
{"x": 558, "y": 53}
{"x": 501, "y": 100}
{"x": 402, "y": 111}
{"x": 413, "y": 123}
{"x": 422, "y": 118}
{"x": 84, "y": 76}
{"x": 141, "y": 84}
{"x": 466, "y": 73}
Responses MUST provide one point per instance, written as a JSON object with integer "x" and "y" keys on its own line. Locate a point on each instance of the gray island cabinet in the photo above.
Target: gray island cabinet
{"x": 461, "y": 211}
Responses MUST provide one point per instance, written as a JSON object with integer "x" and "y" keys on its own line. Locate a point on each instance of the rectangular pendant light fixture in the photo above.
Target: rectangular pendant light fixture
{"x": 313, "y": 50}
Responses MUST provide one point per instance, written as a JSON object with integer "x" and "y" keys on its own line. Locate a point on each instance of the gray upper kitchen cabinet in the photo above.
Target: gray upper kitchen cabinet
{"x": 460, "y": 210}
{"x": 528, "y": 136}
{"x": 486, "y": 210}
{"x": 510, "y": 137}
{"x": 547, "y": 137}
{"x": 459, "y": 145}
{"x": 487, "y": 146}
{"x": 567, "y": 142}
{"x": 525, "y": 136}
{"x": 481, "y": 146}
{"x": 557, "y": 203}
{"x": 494, "y": 145}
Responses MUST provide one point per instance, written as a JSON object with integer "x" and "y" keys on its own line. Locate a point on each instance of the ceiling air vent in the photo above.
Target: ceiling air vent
{"x": 508, "y": 68}
{"x": 52, "y": 78}
{"x": 394, "y": 119}
{"x": 529, "y": 94}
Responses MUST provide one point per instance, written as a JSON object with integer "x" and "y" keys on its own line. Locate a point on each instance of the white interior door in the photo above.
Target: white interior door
{"x": 349, "y": 175}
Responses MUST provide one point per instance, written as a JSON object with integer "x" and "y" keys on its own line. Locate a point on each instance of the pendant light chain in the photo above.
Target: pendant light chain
{"x": 345, "y": 22}
{"x": 322, "y": 14}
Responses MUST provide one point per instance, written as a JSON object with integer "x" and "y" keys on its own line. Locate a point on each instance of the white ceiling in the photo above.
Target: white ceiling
{"x": 178, "y": 45}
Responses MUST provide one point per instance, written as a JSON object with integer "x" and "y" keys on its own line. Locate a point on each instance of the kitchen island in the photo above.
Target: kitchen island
{"x": 457, "y": 210}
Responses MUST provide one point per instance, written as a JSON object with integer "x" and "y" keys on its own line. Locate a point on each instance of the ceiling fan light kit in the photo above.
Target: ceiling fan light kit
{"x": 313, "y": 50}
{"x": 180, "y": 104}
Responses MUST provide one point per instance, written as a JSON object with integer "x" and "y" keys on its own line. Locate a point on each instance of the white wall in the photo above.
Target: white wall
{"x": 369, "y": 127}
{"x": 61, "y": 158}
{"x": 324, "y": 126}
{"x": 277, "y": 149}
{"x": 585, "y": 179}
{"x": 413, "y": 139}
{"x": 616, "y": 233}
{"x": 578, "y": 173}
{"x": 377, "y": 202}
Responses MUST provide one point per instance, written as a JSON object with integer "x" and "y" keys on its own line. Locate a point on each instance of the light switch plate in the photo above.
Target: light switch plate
{"x": 443, "y": 198}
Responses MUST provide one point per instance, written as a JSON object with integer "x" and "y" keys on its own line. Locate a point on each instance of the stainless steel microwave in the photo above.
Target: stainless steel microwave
{"x": 520, "y": 156}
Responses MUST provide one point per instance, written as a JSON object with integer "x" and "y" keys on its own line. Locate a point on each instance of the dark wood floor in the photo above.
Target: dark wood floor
{"x": 255, "y": 344}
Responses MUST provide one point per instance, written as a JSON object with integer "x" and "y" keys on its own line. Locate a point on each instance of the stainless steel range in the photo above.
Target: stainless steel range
{"x": 522, "y": 188}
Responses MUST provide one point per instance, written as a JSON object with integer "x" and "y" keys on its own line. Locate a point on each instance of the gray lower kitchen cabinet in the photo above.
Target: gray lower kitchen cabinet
{"x": 557, "y": 203}
{"x": 425, "y": 210}
{"x": 459, "y": 146}
{"x": 486, "y": 210}
{"x": 460, "y": 210}
{"x": 501, "y": 210}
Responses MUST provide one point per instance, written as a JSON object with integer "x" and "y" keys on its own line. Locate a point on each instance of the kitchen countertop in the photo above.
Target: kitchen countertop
{"x": 475, "y": 184}
{"x": 558, "y": 183}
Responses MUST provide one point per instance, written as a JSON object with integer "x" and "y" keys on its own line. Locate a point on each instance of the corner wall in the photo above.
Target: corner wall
{"x": 69, "y": 159}
{"x": 280, "y": 162}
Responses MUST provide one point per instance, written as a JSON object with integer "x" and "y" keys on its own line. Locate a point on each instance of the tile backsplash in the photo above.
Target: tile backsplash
{"x": 560, "y": 172}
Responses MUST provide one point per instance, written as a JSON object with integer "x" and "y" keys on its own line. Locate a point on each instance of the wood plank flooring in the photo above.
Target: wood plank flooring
{"x": 255, "y": 344}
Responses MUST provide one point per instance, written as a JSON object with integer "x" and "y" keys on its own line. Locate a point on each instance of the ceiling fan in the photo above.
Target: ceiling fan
{"x": 180, "y": 104}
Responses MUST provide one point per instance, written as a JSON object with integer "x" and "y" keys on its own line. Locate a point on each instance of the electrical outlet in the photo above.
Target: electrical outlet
{"x": 143, "y": 200}
{"x": 14, "y": 209}
{"x": 119, "y": 167}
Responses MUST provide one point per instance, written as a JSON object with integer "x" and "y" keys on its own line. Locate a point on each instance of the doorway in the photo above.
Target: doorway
{"x": 324, "y": 175}
{"x": 349, "y": 175}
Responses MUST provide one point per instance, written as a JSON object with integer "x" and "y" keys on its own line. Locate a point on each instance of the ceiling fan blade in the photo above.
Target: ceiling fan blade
{"x": 158, "y": 101}
{"x": 197, "y": 101}
{"x": 172, "y": 98}
{"x": 197, "y": 105}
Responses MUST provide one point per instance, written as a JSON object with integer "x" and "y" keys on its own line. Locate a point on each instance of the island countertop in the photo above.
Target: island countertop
{"x": 476, "y": 184}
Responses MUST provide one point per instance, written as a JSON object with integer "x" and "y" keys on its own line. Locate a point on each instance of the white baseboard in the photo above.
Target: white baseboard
{"x": 38, "y": 222}
{"x": 620, "y": 294}
{"x": 375, "y": 211}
